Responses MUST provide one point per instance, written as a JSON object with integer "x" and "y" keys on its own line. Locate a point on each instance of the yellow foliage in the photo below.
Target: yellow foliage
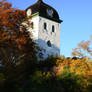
{"x": 77, "y": 66}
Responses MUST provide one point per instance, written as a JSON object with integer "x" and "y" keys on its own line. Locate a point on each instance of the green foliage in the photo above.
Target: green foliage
{"x": 71, "y": 82}
{"x": 45, "y": 81}
{"x": 42, "y": 83}
{"x": 67, "y": 78}
{"x": 2, "y": 79}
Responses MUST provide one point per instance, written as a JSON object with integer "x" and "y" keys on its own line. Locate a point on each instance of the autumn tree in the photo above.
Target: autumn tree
{"x": 17, "y": 49}
{"x": 83, "y": 50}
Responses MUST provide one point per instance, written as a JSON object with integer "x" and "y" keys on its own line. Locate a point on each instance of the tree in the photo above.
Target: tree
{"x": 17, "y": 49}
{"x": 84, "y": 49}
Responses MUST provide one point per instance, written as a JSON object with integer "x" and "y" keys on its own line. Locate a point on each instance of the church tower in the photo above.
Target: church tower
{"x": 45, "y": 28}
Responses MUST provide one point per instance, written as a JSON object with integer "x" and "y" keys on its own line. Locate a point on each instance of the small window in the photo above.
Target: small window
{"x": 53, "y": 28}
{"x": 49, "y": 43}
{"x": 45, "y": 26}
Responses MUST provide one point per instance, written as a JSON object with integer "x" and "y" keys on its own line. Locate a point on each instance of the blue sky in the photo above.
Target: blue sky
{"x": 76, "y": 16}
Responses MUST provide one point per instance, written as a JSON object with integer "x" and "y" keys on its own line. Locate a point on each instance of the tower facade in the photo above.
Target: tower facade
{"x": 45, "y": 28}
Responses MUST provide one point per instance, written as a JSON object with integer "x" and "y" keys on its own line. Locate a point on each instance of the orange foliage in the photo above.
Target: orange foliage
{"x": 83, "y": 49}
{"x": 79, "y": 66}
{"x": 14, "y": 43}
{"x": 9, "y": 16}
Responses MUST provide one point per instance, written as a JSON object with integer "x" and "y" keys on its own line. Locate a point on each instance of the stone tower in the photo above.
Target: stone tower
{"x": 45, "y": 28}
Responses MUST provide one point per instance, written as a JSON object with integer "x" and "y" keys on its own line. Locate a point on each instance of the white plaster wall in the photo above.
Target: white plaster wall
{"x": 45, "y": 35}
{"x": 35, "y": 29}
{"x": 41, "y": 36}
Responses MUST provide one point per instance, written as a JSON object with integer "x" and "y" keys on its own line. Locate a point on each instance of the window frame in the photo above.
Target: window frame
{"x": 49, "y": 43}
{"x": 53, "y": 28}
{"x": 45, "y": 25}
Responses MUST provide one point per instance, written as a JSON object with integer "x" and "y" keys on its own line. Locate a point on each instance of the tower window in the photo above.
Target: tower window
{"x": 49, "y": 43}
{"x": 45, "y": 26}
{"x": 53, "y": 28}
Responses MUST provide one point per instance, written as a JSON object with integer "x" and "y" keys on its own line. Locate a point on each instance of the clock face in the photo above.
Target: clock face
{"x": 50, "y": 12}
{"x": 29, "y": 12}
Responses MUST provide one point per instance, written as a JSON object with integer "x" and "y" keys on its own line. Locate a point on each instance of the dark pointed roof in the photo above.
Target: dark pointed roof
{"x": 41, "y": 7}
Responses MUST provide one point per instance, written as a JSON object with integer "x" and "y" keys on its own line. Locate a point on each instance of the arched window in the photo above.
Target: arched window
{"x": 49, "y": 43}
{"x": 53, "y": 28}
{"x": 45, "y": 26}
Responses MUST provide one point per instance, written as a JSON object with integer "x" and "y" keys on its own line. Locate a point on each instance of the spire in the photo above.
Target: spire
{"x": 40, "y": 0}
